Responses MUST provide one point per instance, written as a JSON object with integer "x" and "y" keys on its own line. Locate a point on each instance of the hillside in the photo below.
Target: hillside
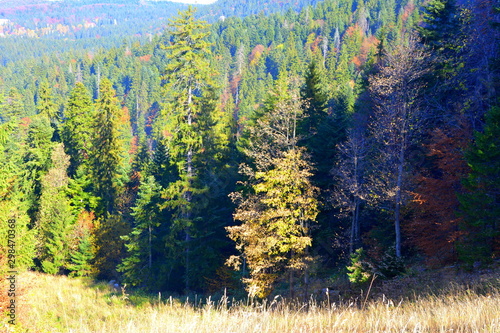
{"x": 35, "y": 28}
{"x": 260, "y": 155}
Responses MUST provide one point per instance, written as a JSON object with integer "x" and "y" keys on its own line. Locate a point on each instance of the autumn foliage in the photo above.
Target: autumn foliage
{"x": 434, "y": 227}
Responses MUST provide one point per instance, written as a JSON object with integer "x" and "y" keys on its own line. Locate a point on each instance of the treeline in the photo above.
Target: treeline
{"x": 289, "y": 146}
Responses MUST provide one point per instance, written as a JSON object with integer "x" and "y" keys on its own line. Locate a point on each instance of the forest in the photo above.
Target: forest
{"x": 258, "y": 153}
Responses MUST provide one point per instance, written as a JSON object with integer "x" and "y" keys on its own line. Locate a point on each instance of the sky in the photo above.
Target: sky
{"x": 200, "y": 2}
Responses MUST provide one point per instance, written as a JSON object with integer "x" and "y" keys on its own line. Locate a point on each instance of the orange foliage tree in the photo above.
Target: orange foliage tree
{"x": 434, "y": 227}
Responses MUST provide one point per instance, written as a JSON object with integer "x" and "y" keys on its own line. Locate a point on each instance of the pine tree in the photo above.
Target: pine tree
{"x": 480, "y": 207}
{"x": 107, "y": 149}
{"x": 55, "y": 217}
{"x": 80, "y": 264}
{"x": 189, "y": 85}
{"x": 76, "y": 129}
{"x": 138, "y": 266}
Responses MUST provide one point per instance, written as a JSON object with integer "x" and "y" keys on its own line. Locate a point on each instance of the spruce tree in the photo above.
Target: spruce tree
{"x": 14, "y": 218}
{"x": 45, "y": 103}
{"x": 480, "y": 207}
{"x": 81, "y": 259}
{"x": 188, "y": 85}
{"x": 55, "y": 218}
{"x": 143, "y": 241}
{"x": 106, "y": 156}
{"x": 76, "y": 131}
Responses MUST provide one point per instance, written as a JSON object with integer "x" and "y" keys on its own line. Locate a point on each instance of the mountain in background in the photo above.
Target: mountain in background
{"x": 33, "y": 28}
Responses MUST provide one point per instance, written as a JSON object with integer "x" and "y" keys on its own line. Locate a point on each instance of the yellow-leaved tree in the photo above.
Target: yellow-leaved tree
{"x": 279, "y": 202}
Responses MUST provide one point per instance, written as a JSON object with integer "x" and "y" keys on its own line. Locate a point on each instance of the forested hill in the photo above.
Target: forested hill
{"x": 270, "y": 152}
{"x": 32, "y": 28}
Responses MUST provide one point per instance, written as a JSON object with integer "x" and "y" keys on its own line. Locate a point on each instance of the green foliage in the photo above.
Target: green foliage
{"x": 76, "y": 132}
{"x": 55, "y": 218}
{"x": 138, "y": 267}
{"x": 479, "y": 207}
{"x": 360, "y": 270}
{"x": 107, "y": 148}
{"x": 45, "y": 104}
{"x": 13, "y": 108}
{"x": 390, "y": 265}
{"x": 182, "y": 110}
{"x": 188, "y": 135}
{"x": 81, "y": 259}
{"x": 109, "y": 245}
{"x": 440, "y": 24}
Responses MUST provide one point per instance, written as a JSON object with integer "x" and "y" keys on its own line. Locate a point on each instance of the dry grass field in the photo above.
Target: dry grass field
{"x": 60, "y": 304}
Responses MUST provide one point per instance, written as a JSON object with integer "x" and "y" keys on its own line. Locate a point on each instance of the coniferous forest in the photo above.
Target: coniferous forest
{"x": 247, "y": 148}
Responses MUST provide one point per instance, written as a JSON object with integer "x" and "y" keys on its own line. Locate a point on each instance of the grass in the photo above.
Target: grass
{"x": 60, "y": 304}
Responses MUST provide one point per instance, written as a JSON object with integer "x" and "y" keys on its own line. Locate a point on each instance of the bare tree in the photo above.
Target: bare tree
{"x": 396, "y": 91}
{"x": 350, "y": 176}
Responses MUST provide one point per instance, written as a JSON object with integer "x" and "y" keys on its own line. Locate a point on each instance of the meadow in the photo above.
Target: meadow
{"x": 61, "y": 304}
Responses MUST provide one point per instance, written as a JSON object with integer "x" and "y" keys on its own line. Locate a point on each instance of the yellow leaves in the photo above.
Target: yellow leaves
{"x": 274, "y": 233}
{"x": 256, "y": 54}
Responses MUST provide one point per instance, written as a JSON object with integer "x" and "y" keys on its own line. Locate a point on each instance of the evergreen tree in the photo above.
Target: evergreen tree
{"x": 480, "y": 207}
{"x": 76, "y": 130}
{"x": 36, "y": 159}
{"x": 80, "y": 264}
{"x": 442, "y": 33}
{"x": 321, "y": 127}
{"x": 189, "y": 84}
{"x": 45, "y": 103}
{"x": 14, "y": 107}
{"x": 440, "y": 25}
{"x": 55, "y": 217}
{"x": 138, "y": 266}
{"x": 15, "y": 223}
{"x": 107, "y": 149}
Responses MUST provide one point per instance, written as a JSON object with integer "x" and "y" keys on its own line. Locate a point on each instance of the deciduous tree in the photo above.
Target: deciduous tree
{"x": 396, "y": 92}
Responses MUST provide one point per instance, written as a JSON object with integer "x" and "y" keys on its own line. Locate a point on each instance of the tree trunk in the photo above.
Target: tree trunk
{"x": 354, "y": 226}
{"x": 397, "y": 210}
{"x": 188, "y": 194}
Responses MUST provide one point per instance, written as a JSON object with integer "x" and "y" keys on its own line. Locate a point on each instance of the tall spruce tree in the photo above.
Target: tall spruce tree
{"x": 76, "y": 132}
{"x": 143, "y": 241}
{"x": 480, "y": 207}
{"x": 188, "y": 85}
{"x": 45, "y": 103}
{"x": 106, "y": 156}
{"x": 55, "y": 217}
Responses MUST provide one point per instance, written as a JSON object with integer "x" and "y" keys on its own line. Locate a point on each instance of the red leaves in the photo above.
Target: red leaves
{"x": 434, "y": 226}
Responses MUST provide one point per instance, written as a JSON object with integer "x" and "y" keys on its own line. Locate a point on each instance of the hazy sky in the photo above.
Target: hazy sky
{"x": 195, "y": 1}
